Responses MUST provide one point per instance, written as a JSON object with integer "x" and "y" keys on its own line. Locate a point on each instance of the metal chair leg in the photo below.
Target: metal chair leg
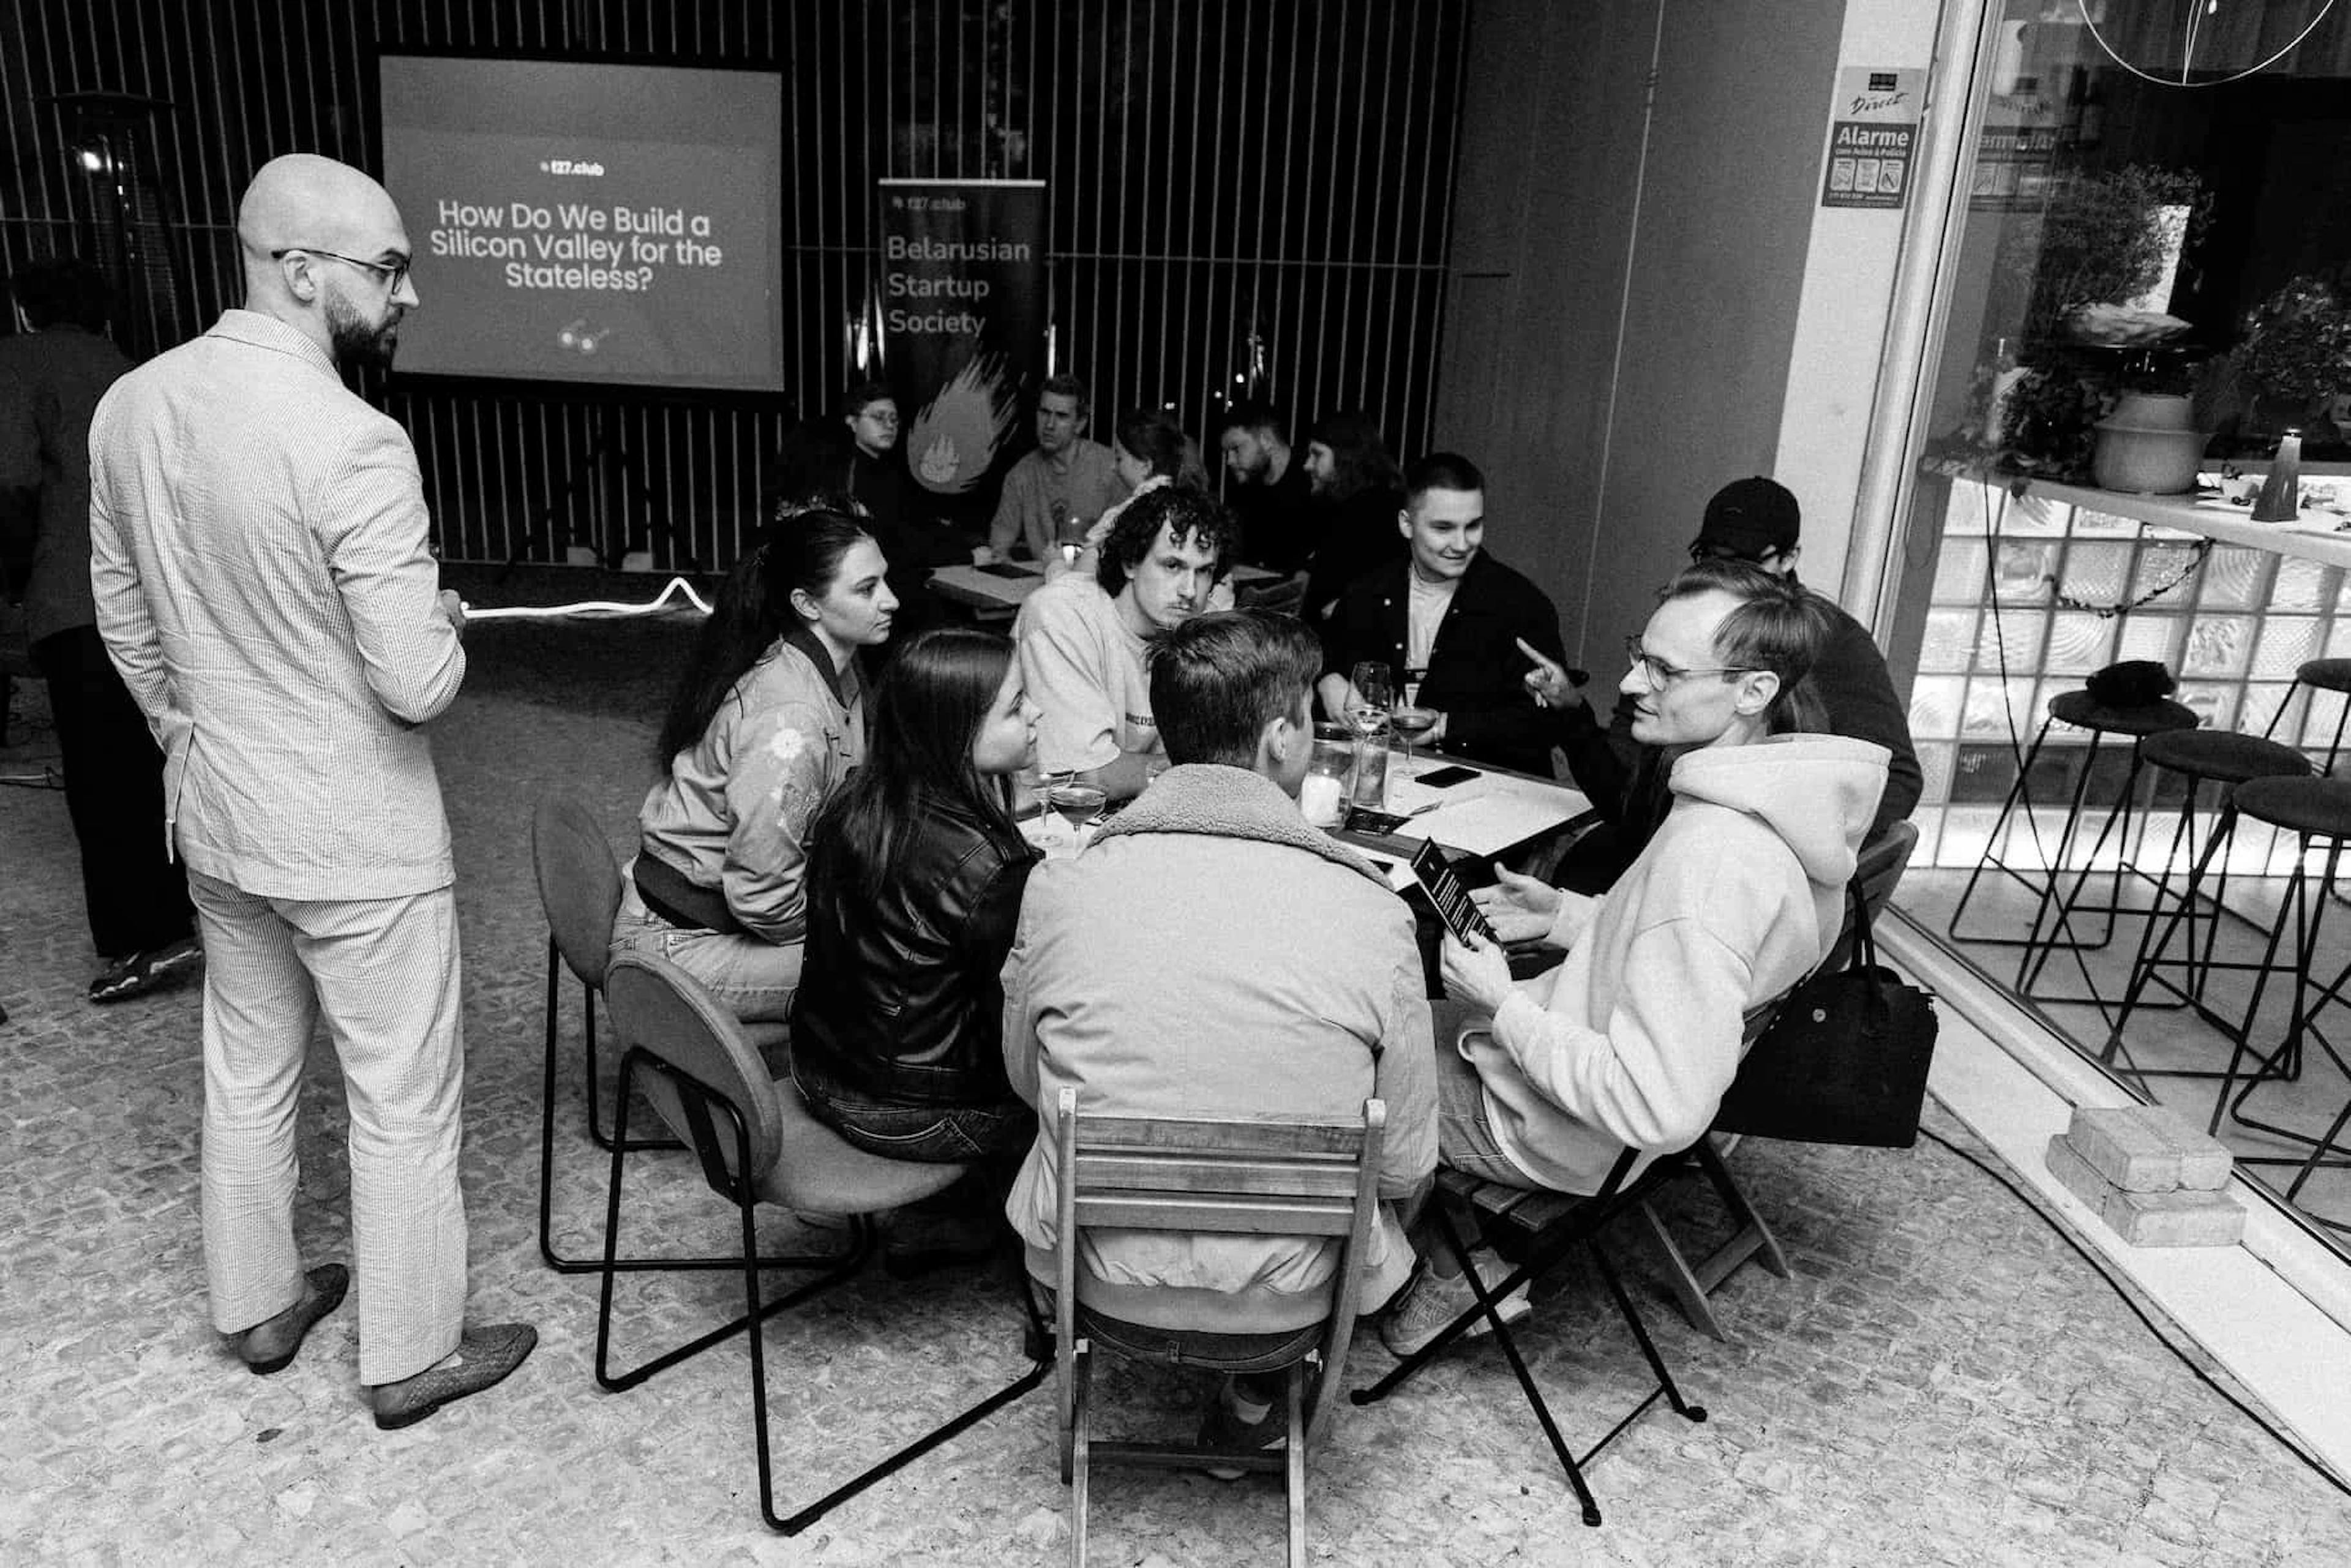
{"x": 1037, "y": 1345}
{"x": 1995, "y": 847}
{"x": 1632, "y": 1315}
{"x": 1488, "y": 1304}
{"x": 554, "y": 1260}
{"x": 834, "y": 1269}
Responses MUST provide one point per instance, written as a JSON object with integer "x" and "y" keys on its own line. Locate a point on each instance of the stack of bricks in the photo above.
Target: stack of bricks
{"x": 2154, "y": 1179}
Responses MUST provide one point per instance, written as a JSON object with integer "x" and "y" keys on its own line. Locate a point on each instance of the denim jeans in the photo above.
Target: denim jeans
{"x": 1465, "y": 1138}
{"x": 755, "y": 979}
{"x": 940, "y": 1133}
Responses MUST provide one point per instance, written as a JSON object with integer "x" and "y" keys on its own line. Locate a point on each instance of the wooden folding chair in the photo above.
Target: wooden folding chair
{"x": 1254, "y": 1174}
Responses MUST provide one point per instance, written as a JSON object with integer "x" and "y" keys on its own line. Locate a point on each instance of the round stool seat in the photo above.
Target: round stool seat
{"x": 2333, "y": 674}
{"x": 2319, "y": 807}
{"x": 2225, "y": 755}
{"x": 2086, "y": 712}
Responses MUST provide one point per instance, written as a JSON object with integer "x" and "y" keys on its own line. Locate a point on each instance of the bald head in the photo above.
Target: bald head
{"x": 302, "y": 199}
{"x": 322, "y": 243}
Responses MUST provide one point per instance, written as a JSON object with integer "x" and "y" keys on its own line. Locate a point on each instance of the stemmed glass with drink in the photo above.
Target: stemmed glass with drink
{"x": 1411, "y": 721}
{"x": 1075, "y": 801}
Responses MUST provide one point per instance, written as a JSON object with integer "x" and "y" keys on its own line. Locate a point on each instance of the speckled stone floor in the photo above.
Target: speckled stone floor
{"x": 1943, "y": 1381}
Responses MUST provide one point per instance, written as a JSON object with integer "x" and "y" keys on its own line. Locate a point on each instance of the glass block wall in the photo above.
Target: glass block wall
{"x": 2028, "y": 600}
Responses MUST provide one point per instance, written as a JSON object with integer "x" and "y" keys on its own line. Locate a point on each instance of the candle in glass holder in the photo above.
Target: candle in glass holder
{"x": 1320, "y": 797}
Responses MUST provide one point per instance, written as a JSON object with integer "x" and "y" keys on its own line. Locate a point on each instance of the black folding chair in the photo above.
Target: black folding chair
{"x": 1542, "y": 1229}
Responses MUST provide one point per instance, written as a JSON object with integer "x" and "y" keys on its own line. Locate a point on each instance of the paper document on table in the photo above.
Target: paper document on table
{"x": 1492, "y": 821}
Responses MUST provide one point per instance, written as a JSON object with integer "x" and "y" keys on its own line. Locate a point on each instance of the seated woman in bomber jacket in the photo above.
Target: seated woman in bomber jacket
{"x": 767, "y": 722}
{"x": 914, "y": 879}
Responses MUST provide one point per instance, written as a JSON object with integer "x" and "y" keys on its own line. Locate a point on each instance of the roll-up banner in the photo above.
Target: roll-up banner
{"x": 962, "y": 311}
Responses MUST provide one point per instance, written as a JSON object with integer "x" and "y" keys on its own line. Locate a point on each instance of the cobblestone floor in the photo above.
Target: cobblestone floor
{"x": 1943, "y": 1381}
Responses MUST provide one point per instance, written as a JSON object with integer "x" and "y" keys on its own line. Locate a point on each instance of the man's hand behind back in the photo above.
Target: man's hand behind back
{"x": 453, "y": 610}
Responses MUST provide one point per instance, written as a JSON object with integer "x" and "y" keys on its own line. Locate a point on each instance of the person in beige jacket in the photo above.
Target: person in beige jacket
{"x": 262, "y": 583}
{"x": 1210, "y": 954}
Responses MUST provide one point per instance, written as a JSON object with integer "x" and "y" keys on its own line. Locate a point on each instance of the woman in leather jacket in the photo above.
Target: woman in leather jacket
{"x": 914, "y": 879}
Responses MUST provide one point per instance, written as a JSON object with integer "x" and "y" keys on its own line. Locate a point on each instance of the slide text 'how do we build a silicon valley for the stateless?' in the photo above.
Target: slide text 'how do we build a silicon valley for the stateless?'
{"x": 589, "y": 223}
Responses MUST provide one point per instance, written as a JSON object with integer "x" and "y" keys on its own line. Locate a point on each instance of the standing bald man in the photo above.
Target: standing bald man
{"x": 258, "y": 555}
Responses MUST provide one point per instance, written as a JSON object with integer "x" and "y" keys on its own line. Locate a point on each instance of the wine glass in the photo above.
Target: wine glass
{"x": 1076, "y": 802}
{"x": 1411, "y": 721}
{"x": 1370, "y": 694}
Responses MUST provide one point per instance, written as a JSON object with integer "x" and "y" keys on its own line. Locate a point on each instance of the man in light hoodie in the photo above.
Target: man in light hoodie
{"x": 1633, "y": 1041}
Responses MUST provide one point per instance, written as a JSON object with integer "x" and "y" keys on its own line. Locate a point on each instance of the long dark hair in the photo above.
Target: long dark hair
{"x": 917, "y": 746}
{"x": 800, "y": 548}
{"x": 1152, "y": 435}
{"x": 1359, "y": 458}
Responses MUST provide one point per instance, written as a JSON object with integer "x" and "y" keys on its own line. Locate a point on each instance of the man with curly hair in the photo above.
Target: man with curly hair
{"x": 1085, "y": 641}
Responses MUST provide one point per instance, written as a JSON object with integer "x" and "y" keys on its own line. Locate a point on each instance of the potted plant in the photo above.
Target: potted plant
{"x": 2295, "y": 359}
{"x": 2152, "y": 441}
{"x": 2104, "y": 238}
{"x": 2079, "y": 274}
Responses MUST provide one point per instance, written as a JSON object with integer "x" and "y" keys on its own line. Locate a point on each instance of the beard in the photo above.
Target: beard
{"x": 356, "y": 343}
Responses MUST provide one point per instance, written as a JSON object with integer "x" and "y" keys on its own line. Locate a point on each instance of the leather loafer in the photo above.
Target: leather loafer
{"x": 485, "y": 1357}
{"x": 327, "y": 1283}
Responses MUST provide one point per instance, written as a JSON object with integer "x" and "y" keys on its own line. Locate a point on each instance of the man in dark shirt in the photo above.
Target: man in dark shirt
{"x": 1448, "y": 620}
{"x": 1755, "y": 520}
{"x": 1268, "y": 489}
{"x": 51, "y": 377}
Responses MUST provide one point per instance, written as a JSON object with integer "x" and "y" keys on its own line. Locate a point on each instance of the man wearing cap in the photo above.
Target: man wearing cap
{"x": 1755, "y": 520}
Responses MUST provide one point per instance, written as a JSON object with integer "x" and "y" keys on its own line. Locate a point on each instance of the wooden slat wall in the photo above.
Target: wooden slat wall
{"x": 1218, "y": 169}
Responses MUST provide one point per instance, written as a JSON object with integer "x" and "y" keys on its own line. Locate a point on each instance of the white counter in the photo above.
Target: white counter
{"x": 2316, "y": 535}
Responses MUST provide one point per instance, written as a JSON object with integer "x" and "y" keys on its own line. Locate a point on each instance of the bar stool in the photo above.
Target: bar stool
{"x": 2326, "y": 675}
{"x": 2227, "y": 759}
{"x": 2053, "y": 916}
{"x": 2318, "y": 812}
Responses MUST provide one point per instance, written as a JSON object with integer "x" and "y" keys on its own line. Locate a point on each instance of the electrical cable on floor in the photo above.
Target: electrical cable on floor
{"x": 46, "y": 778}
{"x": 599, "y": 607}
{"x": 2316, "y": 1466}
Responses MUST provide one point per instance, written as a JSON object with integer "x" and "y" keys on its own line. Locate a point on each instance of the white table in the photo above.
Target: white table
{"x": 997, "y": 591}
{"x": 1487, "y": 816}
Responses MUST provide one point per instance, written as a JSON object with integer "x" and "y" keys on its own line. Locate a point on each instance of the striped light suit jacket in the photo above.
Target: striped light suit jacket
{"x": 260, "y": 562}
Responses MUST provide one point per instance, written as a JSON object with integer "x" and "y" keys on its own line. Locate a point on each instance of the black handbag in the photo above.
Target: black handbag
{"x": 1843, "y": 1060}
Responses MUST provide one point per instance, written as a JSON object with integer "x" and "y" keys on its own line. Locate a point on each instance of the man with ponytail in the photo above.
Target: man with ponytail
{"x": 1633, "y": 1041}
